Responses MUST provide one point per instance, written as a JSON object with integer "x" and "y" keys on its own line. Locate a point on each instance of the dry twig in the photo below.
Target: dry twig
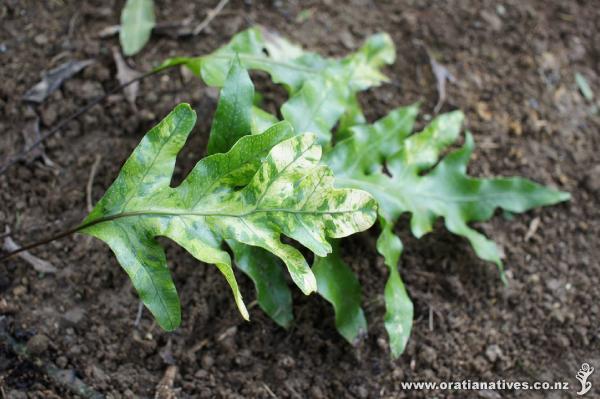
{"x": 90, "y": 183}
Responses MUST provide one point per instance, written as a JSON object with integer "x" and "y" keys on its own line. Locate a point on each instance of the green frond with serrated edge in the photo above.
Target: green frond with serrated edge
{"x": 290, "y": 193}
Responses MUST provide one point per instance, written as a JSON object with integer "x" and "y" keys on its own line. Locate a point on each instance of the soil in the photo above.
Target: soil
{"x": 514, "y": 63}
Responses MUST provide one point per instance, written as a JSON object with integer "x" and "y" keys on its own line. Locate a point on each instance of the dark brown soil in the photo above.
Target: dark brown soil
{"x": 514, "y": 63}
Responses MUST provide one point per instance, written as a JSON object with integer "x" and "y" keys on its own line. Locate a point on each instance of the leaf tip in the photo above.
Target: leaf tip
{"x": 564, "y": 196}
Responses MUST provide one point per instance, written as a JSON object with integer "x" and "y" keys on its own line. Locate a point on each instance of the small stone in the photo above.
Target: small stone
{"x": 592, "y": 179}
{"x": 347, "y": 39}
{"x": 207, "y": 361}
{"x": 362, "y": 392}
{"x": 19, "y": 290}
{"x": 553, "y": 284}
{"x": 317, "y": 392}
{"x": 428, "y": 355}
{"x": 62, "y": 362}
{"x": 98, "y": 374}
{"x": 38, "y": 344}
{"x": 492, "y": 19}
{"x": 382, "y": 344}
{"x": 49, "y": 115}
{"x": 14, "y": 394}
{"x": 280, "y": 374}
{"x": 90, "y": 90}
{"x": 562, "y": 341}
{"x": 73, "y": 317}
{"x": 40, "y": 39}
{"x": 200, "y": 374}
{"x": 287, "y": 362}
{"x": 493, "y": 352}
{"x": 244, "y": 358}
{"x": 483, "y": 111}
{"x": 480, "y": 364}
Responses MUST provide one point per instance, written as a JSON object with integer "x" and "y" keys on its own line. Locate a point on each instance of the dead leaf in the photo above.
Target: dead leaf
{"x": 31, "y": 134}
{"x": 442, "y": 74}
{"x": 533, "y": 227}
{"x": 53, "y": 78}
{"x": 484, "y": 111}
{"x": 109, "y": 31}
{"x": 126, "y": 74}
{"x": 40, "y": 265}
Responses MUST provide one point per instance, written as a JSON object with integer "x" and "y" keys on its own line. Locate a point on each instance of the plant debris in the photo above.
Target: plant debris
{"x": 52, "y": 80}
{"x": 126, "y": 74}
{"x": 40, "y": 265}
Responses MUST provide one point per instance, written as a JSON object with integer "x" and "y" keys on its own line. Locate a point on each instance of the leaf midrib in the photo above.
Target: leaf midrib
{"x": 395, "y": 197}
{"x": 266, "y": 60}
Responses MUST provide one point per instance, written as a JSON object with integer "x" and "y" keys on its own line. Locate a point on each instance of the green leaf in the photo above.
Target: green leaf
{"x": 446, "y": 191}
{"x": 261, "y": 120}
{"x": 137, "y": 22}
{"x": 324, "y": 99}
{"x": 265, "y": 270}
{"x": 290, "y": 65}
{"x": 337, "y": 284}
{"x": 399, "y": 308}
{"x": 235, "y": 196}
{"x": 370, "y": 145}
{"x": 236, "y": 117}
{"x": 322, "y": 90}
{"x": 317, "y": 107}
{"x": 407, "y": 184}
{"x": 233, "y": 117}
{"x": 283, "y": 61}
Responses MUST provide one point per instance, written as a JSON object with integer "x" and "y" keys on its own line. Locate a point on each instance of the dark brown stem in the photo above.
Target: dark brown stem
{"x": 40, "y": 243}
{"x": 61, "y": 235}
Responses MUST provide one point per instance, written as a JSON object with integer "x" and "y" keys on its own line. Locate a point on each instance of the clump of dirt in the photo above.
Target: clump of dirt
{"x": 514, "y": 63}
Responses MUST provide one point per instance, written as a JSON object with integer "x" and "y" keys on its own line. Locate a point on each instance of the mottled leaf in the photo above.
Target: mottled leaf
{"x": 324, "y": 99}
{"x": 289, "y": 193}
{"x": 53, "y": 78}
{"x": 137, "y": 21}
{"x": 237, "y": 117}
{"x": 337, "y": 284}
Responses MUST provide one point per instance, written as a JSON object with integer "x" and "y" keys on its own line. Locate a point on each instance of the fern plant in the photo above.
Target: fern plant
{"x": 402, "y": 170}
{"x": 263, "y": 178}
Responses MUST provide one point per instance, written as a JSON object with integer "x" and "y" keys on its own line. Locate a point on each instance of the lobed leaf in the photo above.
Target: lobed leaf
{"x": 408, "y": 185}
{"x": 321, "y": 89}
{"x": 270, "y": 54}
{"x": 267, "y": 185}
{"x": 137, "y": 22}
